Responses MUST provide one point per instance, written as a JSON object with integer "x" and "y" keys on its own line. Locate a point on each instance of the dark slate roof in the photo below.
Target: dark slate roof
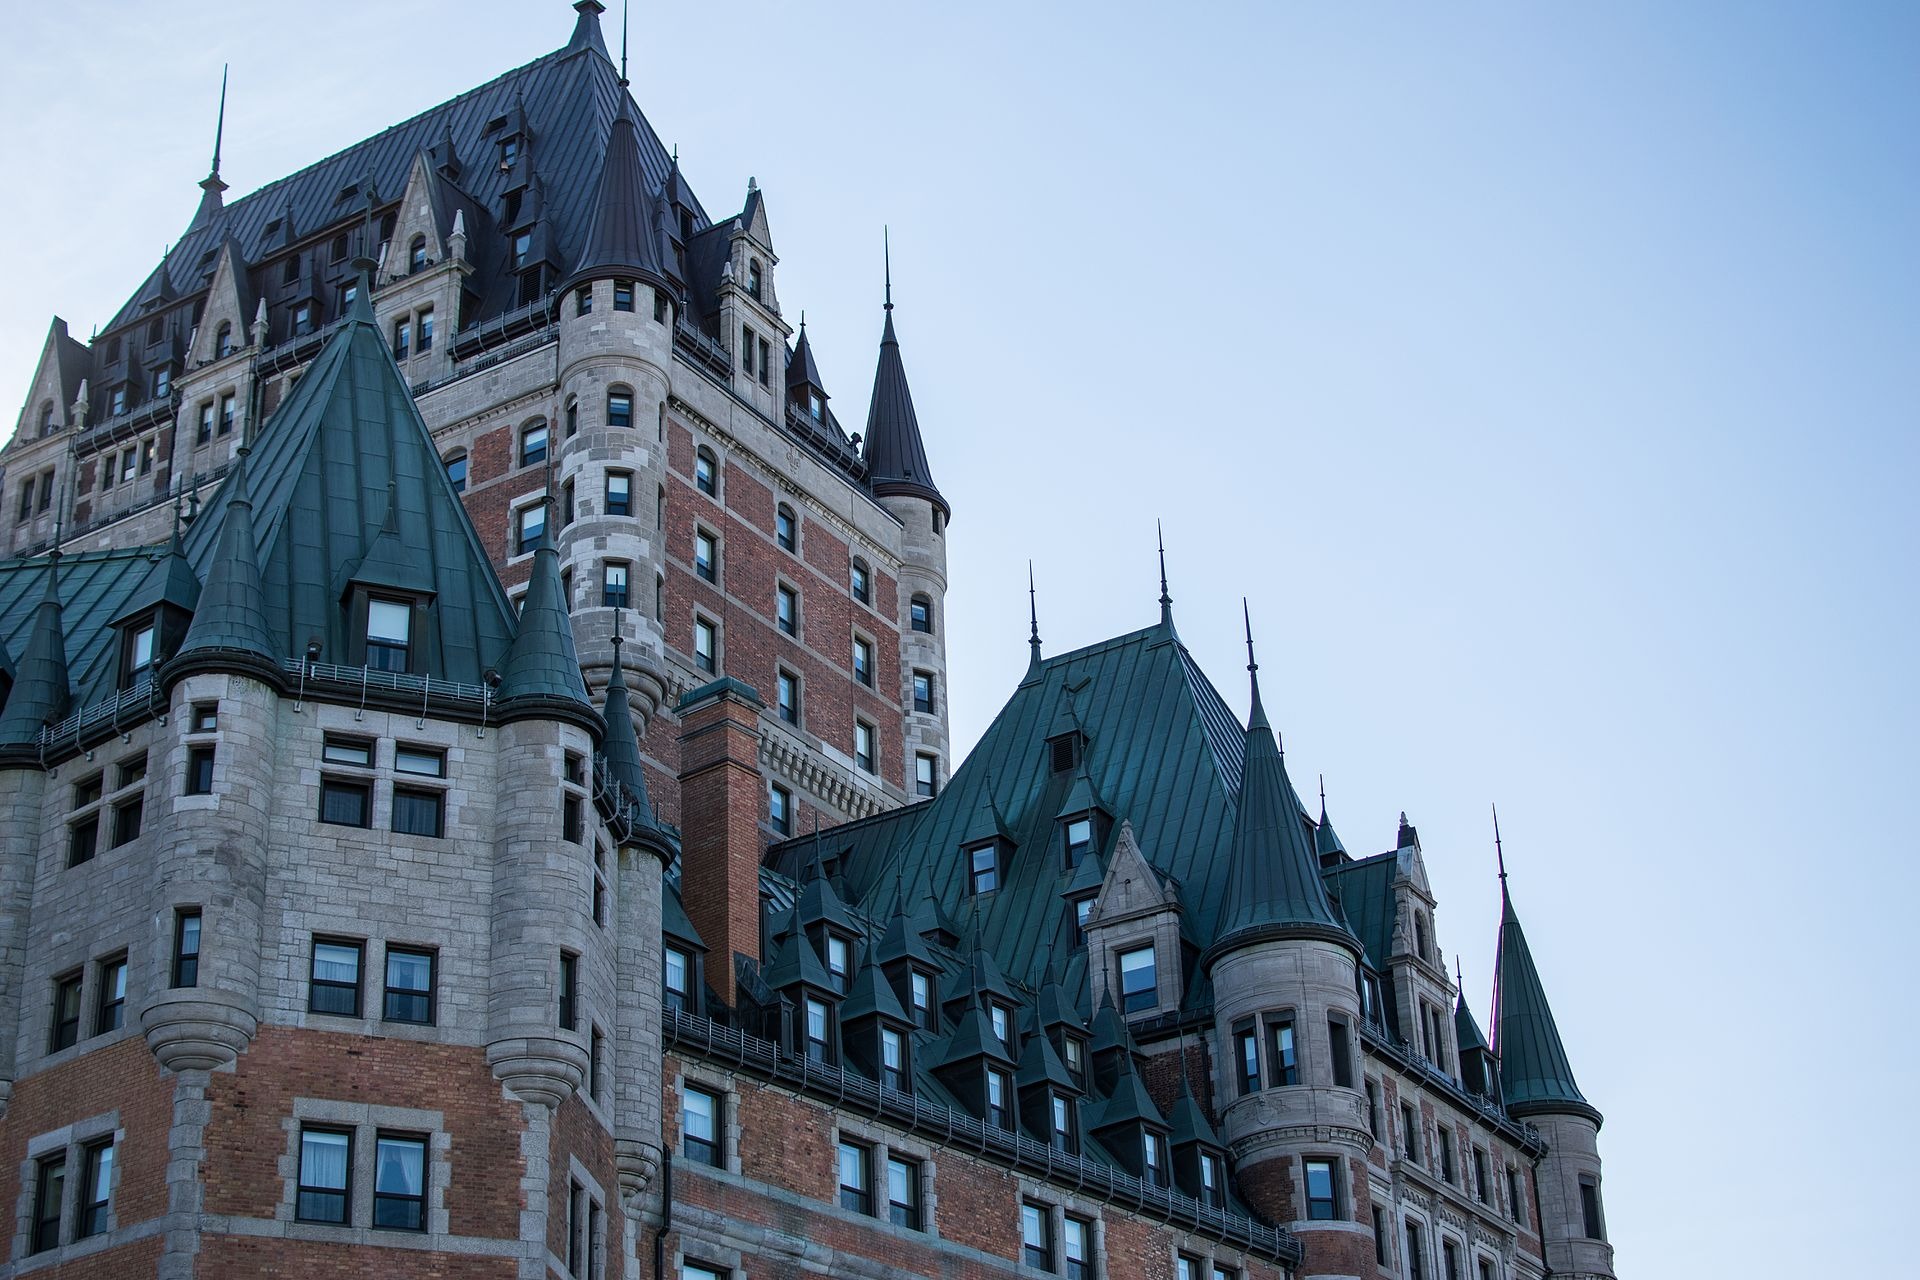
{"x": 569, "y": 98}
{"x": 1273, "y": 881}
{"x": 801, "y": 370}
{"x": 1364, "y": 892}
{"x": 1534, "y": 1073}
{"x": 625, "y": 229}
{"x": 345, "y": 456}
{"x": 94, "y": 589}
{"x": 895, "y": 454}
{"x": 41, "y": 688}
{"x": 1466, "y": 1031}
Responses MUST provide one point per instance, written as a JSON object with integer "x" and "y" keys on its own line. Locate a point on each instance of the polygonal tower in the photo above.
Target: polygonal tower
{"x": 900, "y": 478}
{"x": 1286, "y": 986}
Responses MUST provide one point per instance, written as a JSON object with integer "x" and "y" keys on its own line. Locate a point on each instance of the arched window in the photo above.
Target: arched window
{"x": 786, "y": 528}
{"x": 533, "y": 443}
{"x": 706, "y": 472}
{"x": 223, "y": 341}
{"x": 46, "y": 418}
{"x": 862, "y": 582}
{"x": 619, "y": 407}
{"x": 573, "y": 418}
{"x": 753, "y": 278}
{"x": 417, "y": 255}
{"x": 457, "y": 471}
{"x": 920, "y": 614}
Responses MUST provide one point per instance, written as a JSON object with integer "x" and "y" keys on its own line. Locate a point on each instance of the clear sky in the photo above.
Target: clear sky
{"x": 1544, "y": 375}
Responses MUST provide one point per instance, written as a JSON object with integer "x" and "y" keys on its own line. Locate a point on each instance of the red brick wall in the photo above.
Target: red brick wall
{"x": 722, "y": 798}
{"x": 122, "y": 1076}
{"x": 222, "y": 1257}
{"x": 246, "y": 1135}
{"x": 578, "y": 1133}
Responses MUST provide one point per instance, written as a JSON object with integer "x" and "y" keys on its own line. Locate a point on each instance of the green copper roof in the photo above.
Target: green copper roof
{"x": 1466, "y": 1031}
{"x": 1364, "y": 890}
{"x": 973, "y": 1038}
{"x": 1039, "y": 1064}
{"x": 1128, "y": 1103}
{"x": 346, "y": 475}
{"x": 41, "y": 691}
{"x": 1273, "y": 886}
{"x": 673, "y": 918}
{"x": 1190, "y": 1123}
{"x": 1110, "y": 1030}
{"x": 169, "y": 581}
{"x": 794, "y": 961}
{"x": 541, "y": 663}
{"x": 902, "y": 941}
{"x": 1534, "y": 1073}
{"x": 621, "y": 751}
{"x": 232, "y": 613}
{"x": 870, "y": 995}
{"x": 1325, "y": 840}
{"x": 94, "y": 589}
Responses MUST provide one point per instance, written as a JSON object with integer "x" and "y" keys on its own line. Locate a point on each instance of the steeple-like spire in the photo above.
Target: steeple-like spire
{"x": 41, "y": 689}
{"x": 621, "y": 751}
{"x": 896, "y": 455}
{"x": 623, "y": 43}
{"x": 802, "y": 373}
{"x": 211, "y": 186}
{"x": 1274, "y": 890}
{"x": 1166, "y": 600}
{"x": 1535, "y": 1077}
{"x": 622, "y": 237}
{"x": 541, "y": 667}
{"x": 231, "y": 616}
{"x": 1033, "y": 627}
{"x": 1326, "y": 842}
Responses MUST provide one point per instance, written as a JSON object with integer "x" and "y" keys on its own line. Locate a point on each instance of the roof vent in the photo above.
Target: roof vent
{"x": 347, "y": 192}
{"x": 1064, "y": 752}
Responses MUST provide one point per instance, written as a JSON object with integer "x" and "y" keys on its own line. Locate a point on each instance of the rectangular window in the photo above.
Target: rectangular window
{"x": 49, "y": 1192}
{"x": 999, "y": 1111}
{"x": 335, "y": 986}
{"x": 533, "y": 445}
{"x": 110, "y": 1007}
{"x": 659, "y": 307}
{"x": 786, "y": 696}
{"x": 66, "y": 1012}
{"x": 863, "y": 749}
{"x": 925, "y": 782}
{"x": 400, "y": 1182}
{"x": 1211, "y": 1180}
{"x": 1139, "y": 981}
{"x": 1002, "y": 1023}
{"x": 862, "y": 589}
{"x": 402, "y": 338}
{"x": 1185, "y": 1268}
{"x": 786, "y": 610}
{"x": 619, "y": 409}
{"x": 920, "y": 988}
{"x": 706, "y": 556}
{"x": 839, "y": 962}
{"x": 1450, "y": 1259}
{"x": 783, "y": 530}
{"x": 1480, "y": 1190}
{"x": 1446, "y": 1152}
{"x": 903, "y": 1193}
{"x": 424, "y": 762}
{"x": 863, "y": 661}
{"x": 766, "y": 361}
{"x": 205, "y": 432}
{"x": 83, "y": 840}
{"x": 923, "y": 691}
{"x": 1338, "y": 1047}
{"x": 1323, "y": 1203}
{"x": 613, "y": 584}
{"x": 619, "y": 493}
{"x": 856, "y": 1177}
{"x": 423, "y": 331}
{"x": 1516, "y": 1207}
{"x": 389, "y": 634}
{"x": 573, "y": 826}
{"x": 1409, "y": 1133}
{"x": 199, "y": 771}
{"x": 96, "y": 1190}
{"x": 1282, "y": 1060}
{"x": 819, "y": 1031}
{"x": 1485, "y": 1270}
{"x": 186, "y": 948}
{"x": 1246, "y": 1057}
{"x": 419, "y": 813}
{"x": 1079, "y": 836}
{"x": 345, "y": 804}
{"x": 746, "y": 349}
{"x": 985, "y": 862}
{"x": 780, "y": 807}
{"x": 1590, "y": 1224}
{"x": 1379, "y": 1236}
{"x": 569, "y": 973}
{"x": 1076, "y": 1237}
{"x": 531, "y": 529}
{"x": 1154, "y": 1148}
{"x": 893, "y": 1061}
{"x": 1036, "y": 1236}
{"x": 1416, "y": 1256}
{"x": 623, "y": 295}
{"x": 409, "y": 989}
{"x": 226, "y": 415}
{"x": 703, "y": 646}
{"x": 127, "y": 816}
{"x": 354, "y": 751}
{"x": 1373, "y": 1107}
{"x": 920, "y": 614}
{"x": 677, "y": 979}
{"x": 700, "y": 1126}
{"x": 583, "y": 300}
{"x": 326, "y": 1157}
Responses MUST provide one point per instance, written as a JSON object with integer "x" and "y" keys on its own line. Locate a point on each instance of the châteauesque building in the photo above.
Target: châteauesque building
{"x": 476, "y": 800}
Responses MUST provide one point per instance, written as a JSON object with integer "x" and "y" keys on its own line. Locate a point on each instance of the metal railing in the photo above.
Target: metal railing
{"x": 851, "y": 1091}
{"x": 513, "y": 351}
{"x": 1383, "y": 1041}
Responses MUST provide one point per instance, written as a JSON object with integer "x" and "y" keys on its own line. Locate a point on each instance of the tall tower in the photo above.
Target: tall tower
{"x": 900, "y": 478}
{"x": 616, "y": 348}
{"x": 1285, "y": 973}
{"x": 1536, "y": 1083}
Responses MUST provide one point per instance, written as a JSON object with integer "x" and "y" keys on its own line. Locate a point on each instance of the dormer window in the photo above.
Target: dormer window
{"x": 679, "y": 979}
{"x": 983, "y": 862}
{"x": 999, "y": 1100}
{"x": 223, "y": 341}
{"x": 1079, "y": 832}
{"x": 1082, "y": 915}
{"x": 839, "y": 962}
{"x": 1139, "y": 980}
{"x": 118, "y": 404}
{"x": 819, "y": 1030}
{"x": 1211, "y": 1180}
{"x": 753, "y": 278}
{"x": 302, "y": 319}
{"x": 1073, "y": 1052}
{"x": 389, "y": 635}
{"x": 154, "y": 333}
{"x": 920, "y": 988}
{"x": 1153, "y": 1153}
{"x": 142, "y": 637}
{"x": 522, "y": 249}
{"x": 816, "y": 407}
{"x": 1062, "y": 1135}
{"x": 893, "y": 1061}
{"x": 1063, "y": 751}
{"x": 509, "y": 152}
{"x": 162, "y": 382}
{"x": 1002, "y": 1024}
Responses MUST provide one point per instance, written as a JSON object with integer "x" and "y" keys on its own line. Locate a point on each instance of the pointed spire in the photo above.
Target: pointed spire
{"x": 361, "y": 309}
{"x": 41, "y": 688}
{"x": 231, "y": 617}
{"x": 802, "y": 373}
{"x": 586, "y": 29}
{"x": 621, "y": 237}
{"x": 621, "y": 751}
{"x": 1033, "y": 626}
{"x": 886, "y": 257}
{"x": 895, "y": 453}
{"x": 1535, "y": 1076}
{"x": 1166, "y": 600}
{"x": 170, "y": 581}
{"x": 624, "y": 6}
{"x": 1273, "y": 890}
{"x": 541, "y": 667}
{"x": 1326, "y": 841}
{"x": 211, "y": 186}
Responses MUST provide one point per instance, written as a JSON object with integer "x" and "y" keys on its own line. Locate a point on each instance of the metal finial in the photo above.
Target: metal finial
{"x": 1166, "y": 601}
{"x": 1033, "y": 613}
{"x": 886, "y": 256}
{"x": 1252, "y": 667}
{"x": 1323, "y": 795}
{"x": 623, "y": 44}
{"x": 1459, "y": 982}
{"x": 220, "y": 122}
{"x": 1499, "y": 854}
{"x": 618, "y": 624}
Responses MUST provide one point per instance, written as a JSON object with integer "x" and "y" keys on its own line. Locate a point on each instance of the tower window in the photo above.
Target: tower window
{"x": 1322, "y": 1201}
{"x": 923, "y": 691}
{"x": 613, "y": 585}
{"x": 677, "y": 981}
{"x": 533, "y": 444}
{"x": 186, "y": 947}
{"x": 1139, "y": 980}
{"x": 619, "y": 500}
{"x": 920, "y": 614}
{"x": 893, "y": 1062}
{"x": 1590, "y": 1224}
{"x": 1341, "y": 1053}
{"x": 1246, "y": 1057}
{"x": 925, "y": 778}
{"x": 622, "y": 295}
{"x": 569, "y": 991}
{"x": 619, "y": 409}
{"x": 1283, "y": 1060}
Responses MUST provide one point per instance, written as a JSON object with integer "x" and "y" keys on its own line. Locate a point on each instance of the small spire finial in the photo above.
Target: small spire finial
{"x": 619, "y": 624}
{"x": 886, "y": 257}
{"x": 1253, "y": 667}
{"x": 1033, "y": 614}
{"x": 1323, "y": 795}
{"x": 1500, "y": 855}
{"x": 1459, "y": 982}
{"x": 1166, "y": 600}
{"x": 220, "y": 123}
{"x": 623, "y": 43}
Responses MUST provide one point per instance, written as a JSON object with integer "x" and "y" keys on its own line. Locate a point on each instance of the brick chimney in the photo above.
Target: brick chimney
{"x": 721, "y": 797}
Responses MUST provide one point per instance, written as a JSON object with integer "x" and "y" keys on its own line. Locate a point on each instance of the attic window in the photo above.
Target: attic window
{"x": 141, "y": 637}
{"x": 389, "y": 634}
{"x": 271, "y": 227}
{"x": 509, "y": 152}
{"x": 495, "y": 125}
{"x": 1079, "y": 832}
{"x": 291, "y": 274}
{"x": 1139, "y": 982}
{"x": 347, "y": 192}
{"x": 1063, "y": 752}
{"x": 339, "y": 250}
{"x": 983, "y": 863}
{"x": 753, "y": 278}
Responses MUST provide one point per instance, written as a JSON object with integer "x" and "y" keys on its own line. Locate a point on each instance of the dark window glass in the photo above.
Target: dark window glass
{"x": 700, "y": 1126}
{"x": 1379, "y": 1236}
{"x": 922, "y": 691}
{"x": 704, "y": 478}
{"x": 1446, "y": 1152}
{"x": 783, "y": 528}
{"x": 423, "y": 330}
{"x": 573, "y": 827}
{"x": 921, "y": 989}
{"x": 199, "y": 771}
{"x": 1450, "y": 1259}
{"x": 703, "y": 646}
{"x": 787, "y": 697}
{"x": 985, "y": 863}
{"x": 127, "y": 816}
{"x": 903, "y": 1193}
{"x": 583, "y": 300}
{"x": 1409, "y": 1133}
{"x": 1480, "y": 1175}
{"x": 920, "y": 614}
{"x": 66, "y": 1011}
{"x": 96, "y": 1190}
{"x": 1139, "y": 980}
{"x": 1246, "y": 1057}
{"x": 1322, "y": 1205}
{"x": 533, "y": 445}
{"x": 619, "y": 409}
{"x": 780, "y": 809}
{"x": 1342, "y": 1053}
{"x": 345, "y": 804}
{"x": 863, "y": 662}
{"x": 569, "y": 1014}
{"x": 619, "y": 493}
{"x": 409, "y": 988}
{"x": 457, "y": 473}
{"x": 326, "y": 1162}
{"x": 419, "y": 813}
{"x": 863, "y": 752}
{"x": 1516, "y": 1207}
{"x": 1284, "y": 1063}
{"x": 659, "y": 307}
{"x": 862, "y": 587}
{"x": 856, "y": 1177}
{"x": 533, "y": 528}
{"x": 186, "y": 948}
{"x": 50, "y": 1190}
{"x": 400, "y": 1182}
{"x": 111, "y": 999}
{"x": 706, "y": 556}
{"x": 1590, "y": 1223}
{"x": 623, "y": 295}
{"x": 786, "y": 610}
{"x": 1079, "y": 834}
{"x": 1416, "y": 1256}
{"x": 1373, "y": 1108}
{"x": 335, "y": 987}
{"x": 402, "y": 338}
{"x": 1036, "y": 1236}
{"x": 925, "y": 779}
{"x": 1154, "y": 1157}
{"x": 83, "y": 840}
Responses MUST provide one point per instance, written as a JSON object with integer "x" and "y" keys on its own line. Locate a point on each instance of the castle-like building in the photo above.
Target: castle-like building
{"x": 476, "y": 800}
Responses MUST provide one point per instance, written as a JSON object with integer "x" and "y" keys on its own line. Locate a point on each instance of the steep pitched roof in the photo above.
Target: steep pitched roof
{"x": 896, "y": 456}
{"x": 1364, "y": 891}
{"x": 801, "y": 370}
{"x": 41, "y": 690}
{"x": 94, "y": 589}
{"x": 232, "y": 614}
{"x": 1535, "y": 1076}
{"x": 624, "y": 229}
{"x": 621, "y": 751}
{"x": 345, "y": 457}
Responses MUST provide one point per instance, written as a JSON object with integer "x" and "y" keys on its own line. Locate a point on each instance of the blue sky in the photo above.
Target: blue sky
{"x": 1544, "y": 376}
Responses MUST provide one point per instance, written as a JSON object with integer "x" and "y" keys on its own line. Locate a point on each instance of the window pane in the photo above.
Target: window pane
{"x": 388, "y": 620}
{"x": 1138, "y": 980}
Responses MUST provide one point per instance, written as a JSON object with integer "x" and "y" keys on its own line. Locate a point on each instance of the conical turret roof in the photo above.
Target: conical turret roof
{"x": 622, "y": 236}
{"x": 1466, "y": 1029}
{"x": 1326, "y": 842}
{"x": 801, "y": 370}
{"x": 41, "y": 690}
{"x": 870, "y": 995}
{"x": 621, "y": 751}
{"x": 1535, "y": 1076}
{"x": 1190, "y": 1123}
{"x": 541, "y": 664}
{"x": 896, "y": 455}
{"x": 1273, "y": 877}
{"x": 231, "y": 615}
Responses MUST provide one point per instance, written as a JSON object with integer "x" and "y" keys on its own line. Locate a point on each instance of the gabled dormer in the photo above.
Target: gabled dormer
{"x": 153, "y": 622}
{"x": 684, "y": 956}
{"x": 978, "y": 982}
{"x": 1199, "y": 1156}
{"x": 805, "y": 392}
{"x": 387, "y": 595}
{"x": 532, "y": 243}
{"x": 876, "y": 1029}
{"x": 1049, "y": 1096}
{"x": 985, "y": 846}
{"x": 1134, "y": 946}
{"x": 222, "y": 330}
{"x": 1111, "y": 1046}
{"x": 977, "y": 1068}
{"x": 1083, "y": 821}
{"x": 1131, "y": 1128}
{"x": 796, "y": 972}
{"x": 910, "y": 968}
{"x": 1479, "y": 1069}
{"x": 829, "y": 926}
{"x": 1422, "y": 995}
{"x": 1061, "y": 1024}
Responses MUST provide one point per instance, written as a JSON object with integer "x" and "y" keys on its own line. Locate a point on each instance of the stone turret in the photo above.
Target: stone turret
{"x": 1537, "y": 1084}
{"x": 898, "y": 474}
{"x": 1285, "y": 973}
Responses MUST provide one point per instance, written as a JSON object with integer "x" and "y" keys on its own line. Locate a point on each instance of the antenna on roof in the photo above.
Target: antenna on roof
{"x": 623, "y": 43}
{"x": 886, "y": 257}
